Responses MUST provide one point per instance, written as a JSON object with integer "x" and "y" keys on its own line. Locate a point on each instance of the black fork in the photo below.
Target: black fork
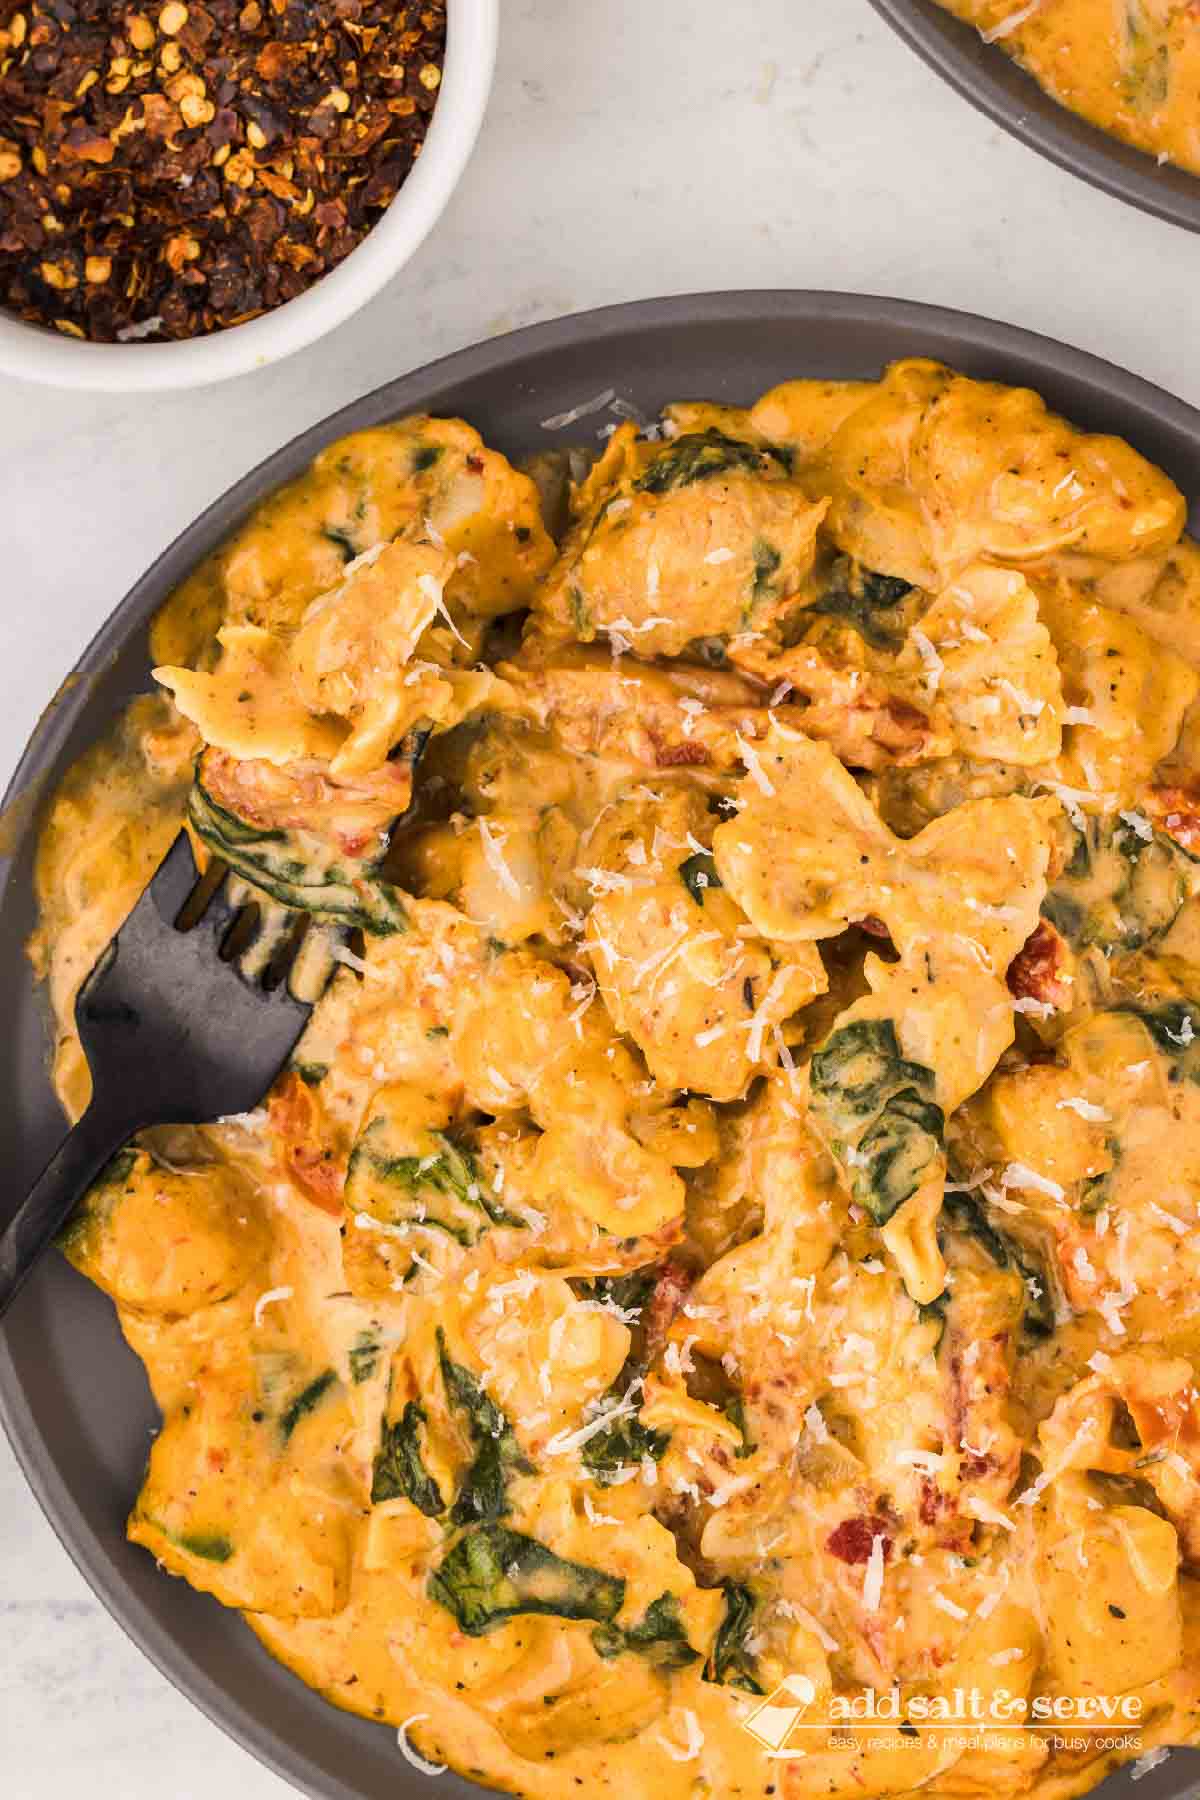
{"x": 174, "y": 1033}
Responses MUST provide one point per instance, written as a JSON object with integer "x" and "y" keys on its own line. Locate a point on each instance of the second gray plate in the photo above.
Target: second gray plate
{"x": 992, "y": 81}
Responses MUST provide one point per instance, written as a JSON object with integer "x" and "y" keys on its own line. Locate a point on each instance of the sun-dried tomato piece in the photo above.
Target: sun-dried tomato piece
{"x": 1036, "y": 971}
{"x": 853, "y": 1539}
{"x": 671, "y": 1289}
{"x": 1176, "y": 812}
{"x": 297, "y": 1119}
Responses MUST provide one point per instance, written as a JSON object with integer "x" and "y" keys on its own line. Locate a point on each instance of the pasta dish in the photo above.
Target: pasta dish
{"x": 730, "y": 1231}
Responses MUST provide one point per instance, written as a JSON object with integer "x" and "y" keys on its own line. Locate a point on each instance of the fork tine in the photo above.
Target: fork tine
{"x": 173, "y": 881}
{"x": 262, "y": 944}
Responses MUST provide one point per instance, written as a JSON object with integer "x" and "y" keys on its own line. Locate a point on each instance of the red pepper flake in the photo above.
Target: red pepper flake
{"x": 172, "y": 169}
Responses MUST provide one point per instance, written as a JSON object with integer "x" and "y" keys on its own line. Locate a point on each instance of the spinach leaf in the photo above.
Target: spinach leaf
{"x": 364, "y": 1356}
{"x": 866, "y": 601}
{"x": 659, "y": 1636}
{"x": 730, "y": 1662}
{"x": 1175, "y": 1027}
{"x": 703, "y": 455}
{"x": 498, "y": 1453}
{"x": 709, "y": 652}
{"x": 71, "y": 1236}
{"x": 306, "y": 1401}
{"x": 1120, "y": 891}
{"x": 735, "y": 1411}
{"x": 766, "y": 566}
{"x": 297, "y": 874}
{"x": 628, "y": 1293}
{"x": 445, "y": 1190}
{"x": 312, "y": 1074}
{"x": 1038, "y": 1318}
{"x": 345, "y": 543}
{"x": 492, "y": 1574}
{"x": 935, "y": 1310}
{"x": 581, "y": 616}
{"x": 870, "y": 1099}
{"x": 698, "y": 873}
{"x": 212, "y": 1546}
{"x": 400, "y": 1470}
{"x": 966, "y": 1213}
{"x": 624, "y": 1441}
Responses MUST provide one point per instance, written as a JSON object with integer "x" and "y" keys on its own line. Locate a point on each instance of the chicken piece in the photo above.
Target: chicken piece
{"x": 684, "y": 717}
{"x": 700, "y": 999}
{"x": 507, "y": 870}
{"x": 803, "y": 416}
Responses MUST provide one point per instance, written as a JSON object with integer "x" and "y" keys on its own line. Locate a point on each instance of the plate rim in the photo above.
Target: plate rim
{"x": 727, "y": 310}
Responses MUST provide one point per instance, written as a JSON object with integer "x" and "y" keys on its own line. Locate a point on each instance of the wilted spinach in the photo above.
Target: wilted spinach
{"x": 492, "y": 1574}
{"x": 873, "y": 1102}
{"x": 400, "y": 1470}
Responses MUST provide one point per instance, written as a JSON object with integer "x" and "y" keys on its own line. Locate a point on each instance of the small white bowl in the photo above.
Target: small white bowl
{"x": 38, "y": 353}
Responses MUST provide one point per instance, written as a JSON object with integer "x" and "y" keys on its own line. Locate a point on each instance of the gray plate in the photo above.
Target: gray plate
{"x": 73, "y": 1397}
{"x": 991, "y": 80}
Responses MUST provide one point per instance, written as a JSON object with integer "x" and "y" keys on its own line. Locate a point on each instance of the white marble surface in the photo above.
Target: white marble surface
{"x": 633, "y": 147}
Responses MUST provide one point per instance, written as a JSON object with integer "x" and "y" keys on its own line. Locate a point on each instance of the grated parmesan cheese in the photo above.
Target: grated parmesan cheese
{"x": 1012, "y": 22}
{"x": 269, "y": 1299}
{"x": 988, "y": 1514}
{"x": 410, "y": 1755}
{"x": 754, "y": 766}
{"x": 1019, "y": 1176}
{"x": 1095, "y": 1115}
{"x": 872, "y": 1592}
{"x": 560, "y": 421}
{"x": 944, "y": 1604}
{"x": 934, "y": 666}
{"x": 695, "y": 1739}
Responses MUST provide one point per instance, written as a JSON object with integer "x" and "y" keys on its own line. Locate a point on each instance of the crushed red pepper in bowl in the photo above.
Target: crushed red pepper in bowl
{"x": 169, "y": 171}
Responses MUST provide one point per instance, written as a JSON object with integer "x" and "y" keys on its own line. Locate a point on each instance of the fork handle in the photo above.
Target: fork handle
{"x": 69, "y": 1174}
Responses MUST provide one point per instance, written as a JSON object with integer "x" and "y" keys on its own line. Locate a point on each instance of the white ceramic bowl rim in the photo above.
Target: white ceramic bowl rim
{"x": 40, "y": 354}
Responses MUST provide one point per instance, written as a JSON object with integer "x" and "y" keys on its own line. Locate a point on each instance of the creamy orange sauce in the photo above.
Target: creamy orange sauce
{"x": 1130, "y": 66}
{"x": 732, "y": 1216}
